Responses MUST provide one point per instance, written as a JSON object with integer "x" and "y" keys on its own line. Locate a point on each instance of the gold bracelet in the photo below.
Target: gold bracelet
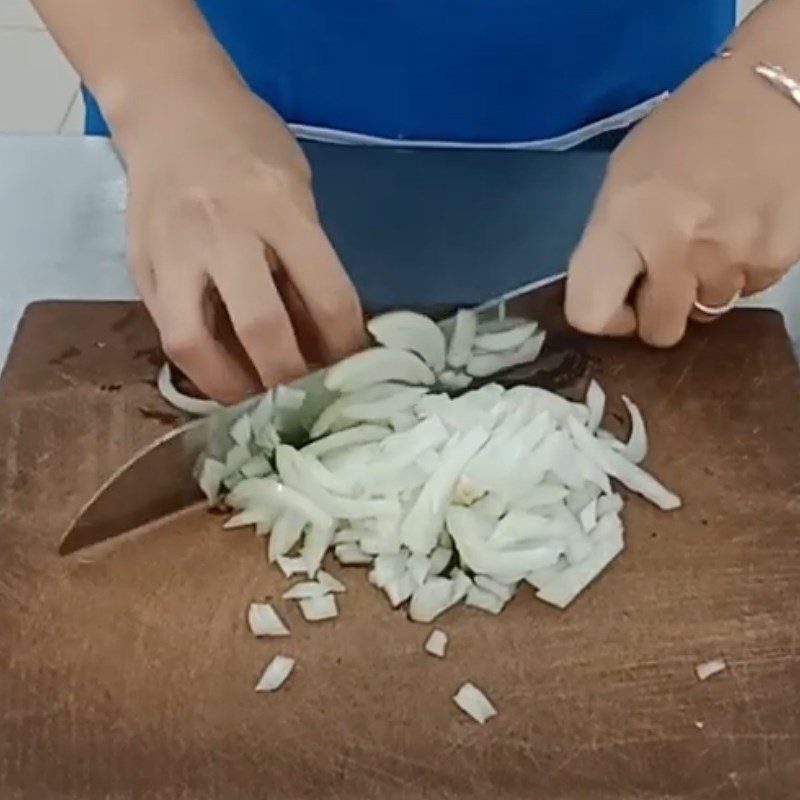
{"x": 774, "y": 75}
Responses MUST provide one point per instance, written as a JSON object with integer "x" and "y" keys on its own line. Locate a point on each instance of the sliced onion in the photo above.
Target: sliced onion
{"x": 316, "y": 544}
{"x": 588, "y": 517}
{"x": 485, "y": 364}
{"x": 421, "y": 526}
{"x": 237, "y": 457}
{"x": 436, "y": 643}
{"x": 351, "y": 555}
{"x": 263, "y": 620}
{"x": 399, "y": 589}
{"x": 296, "y": 475}
{"x": 276, "y": 674}
{"x": 419, "y": 566}
{"x": 546, "y": 494}
{"x": 256, "y": 515}
{"x": 609, "y": 504}
{"x": 183, "y": 402}
{"x": 347, "y": 535}
{"x": 616, "y": 465}
{"x": 503, "y": 341}
{"x": 635, "y": 449}
{"x": 506, "y": 564}
{"x": 520, "y": 526}
{"x": 242, "y": 431}
{"x": 709, "y": 668}
{"x": 461, "y": 341}
{"x": 374, "y": 410}
{"x": 330, "y": 582}
{"x": 431, "y": 599}
{"x": 402, "y": 421}
{"x": 388, "y": 567}
{"x": 439, "y": 560}
{"x": 405, "y": 330}
{"x": 289, "y": 398}
{"x": 596, "y": 403}
{"x": 317, "y": 609}
{"x": 361, "y": 434}
{"x": 473, "y": 702}
{"x": 306, "y": 590}
{"x": 268, "y": 493}
{"x": 261, "y": 417}
{"x": 211, "y": 474}
{"x": 504, "y": 591}
{"x": 454, "y": 381}
{"x": 378, "y": 365}
{"x": 462, "y": 583}
{"x": 484, "y": 600}
{"x": 492, "y": 505}
{"x": 541, "y": 577}
{"x": 286, "y": 532}
{"x": 291, "y": 566}
{"x": 574, "y": 579}
{"x": 256, "y": 467}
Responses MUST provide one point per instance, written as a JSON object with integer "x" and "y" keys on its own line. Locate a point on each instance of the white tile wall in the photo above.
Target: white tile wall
{"x": 38, "y": 88}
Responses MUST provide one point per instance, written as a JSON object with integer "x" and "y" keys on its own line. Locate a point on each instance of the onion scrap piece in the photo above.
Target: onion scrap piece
{"x": 276, "y": 674}
{"x": 709, "y": 668}
{"x": 473, "y": 702}
{"x": 436, "y": 643}
{"x": 317, "y": 609}
{"x": 263, "y": 620}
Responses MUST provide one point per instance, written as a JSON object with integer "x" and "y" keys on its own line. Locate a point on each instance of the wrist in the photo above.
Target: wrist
{"x": 770, "y": 34}
{"x": 141, "y": 87}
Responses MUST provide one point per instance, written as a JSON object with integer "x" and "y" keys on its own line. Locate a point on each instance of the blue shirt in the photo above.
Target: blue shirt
{"x": 477, "y": 71}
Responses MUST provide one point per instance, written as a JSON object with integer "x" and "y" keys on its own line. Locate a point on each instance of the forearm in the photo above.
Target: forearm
{"x": 130, "y": 52}
{"x": 772, "y": 33}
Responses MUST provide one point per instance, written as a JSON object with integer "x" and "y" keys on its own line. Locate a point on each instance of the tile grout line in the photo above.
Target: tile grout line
{"x": 30, "y": 28}
{"x": 70, "y": 106}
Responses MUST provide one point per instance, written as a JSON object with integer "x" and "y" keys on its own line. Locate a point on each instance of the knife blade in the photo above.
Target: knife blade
{"x": 160, "y": 480}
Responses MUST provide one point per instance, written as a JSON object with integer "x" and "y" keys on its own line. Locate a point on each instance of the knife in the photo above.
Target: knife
{"x": 160, "y": 480}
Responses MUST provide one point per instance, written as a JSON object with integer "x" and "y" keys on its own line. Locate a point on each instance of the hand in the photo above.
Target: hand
{"x": 222, "y": 217}
{"x": 701, "y": 202}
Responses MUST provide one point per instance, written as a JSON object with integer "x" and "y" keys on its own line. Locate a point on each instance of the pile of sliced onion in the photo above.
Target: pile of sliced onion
{"x": 445, "y": 499}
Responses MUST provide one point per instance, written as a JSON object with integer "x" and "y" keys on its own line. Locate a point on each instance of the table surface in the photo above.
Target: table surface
{"x": 62, "y": 223}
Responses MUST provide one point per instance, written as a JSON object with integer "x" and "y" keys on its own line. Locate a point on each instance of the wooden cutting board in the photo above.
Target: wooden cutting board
{"x": 132, "y": 676}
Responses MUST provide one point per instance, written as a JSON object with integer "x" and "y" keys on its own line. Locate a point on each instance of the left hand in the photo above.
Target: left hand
{"x": 701, "y": 202}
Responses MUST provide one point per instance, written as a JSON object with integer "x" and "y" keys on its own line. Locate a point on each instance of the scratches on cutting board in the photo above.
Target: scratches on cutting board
{"x": 667, "y": 399}
{"x": 65, "y": 355}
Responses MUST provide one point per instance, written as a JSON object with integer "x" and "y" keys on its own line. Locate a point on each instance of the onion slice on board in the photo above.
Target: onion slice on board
{"x": 316, "y": 609}
{"x": 709, "y": 668}
{"x": 436, "y": 643}
{"x": 276, "y": 674}
{"x": 263, "y": 620}
{"x": 473, "y": 702}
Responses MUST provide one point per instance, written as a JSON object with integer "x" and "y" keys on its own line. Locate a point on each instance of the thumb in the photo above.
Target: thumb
{"x": 602, "y": 272}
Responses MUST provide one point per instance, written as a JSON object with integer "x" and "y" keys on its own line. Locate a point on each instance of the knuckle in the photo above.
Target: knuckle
{"x": 581, "y": 317}
{"x": 337, "y": 308}
{"x": 181, "y": 342}
{"x": 265, "y": 323}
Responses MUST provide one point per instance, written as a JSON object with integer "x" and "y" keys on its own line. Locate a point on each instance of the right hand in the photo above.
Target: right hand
{"x": 221, "y": 208}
